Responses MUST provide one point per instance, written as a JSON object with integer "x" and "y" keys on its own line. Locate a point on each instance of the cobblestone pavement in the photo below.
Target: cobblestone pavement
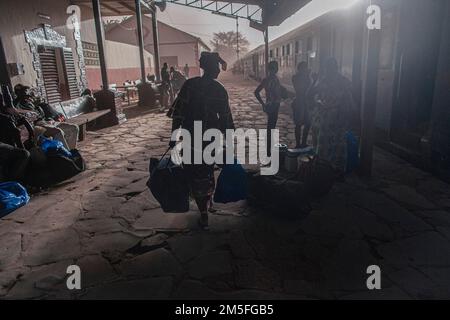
{"x": 107, "y": 222}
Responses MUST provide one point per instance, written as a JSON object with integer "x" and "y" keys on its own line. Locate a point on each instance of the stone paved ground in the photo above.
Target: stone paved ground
{"x": 107, "y": 222}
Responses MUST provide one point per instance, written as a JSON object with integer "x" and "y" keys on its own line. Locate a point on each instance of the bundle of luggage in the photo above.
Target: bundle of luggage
{"x": 169, "y": 184}
{"x": 290, "y": 194}
{"x": 51, "y": 163}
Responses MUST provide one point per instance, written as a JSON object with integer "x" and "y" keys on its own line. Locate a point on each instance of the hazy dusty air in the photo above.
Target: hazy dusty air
{"x": 204, "y": 24}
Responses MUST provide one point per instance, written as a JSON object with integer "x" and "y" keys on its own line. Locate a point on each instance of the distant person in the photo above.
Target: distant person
{"x": 275, "y": 92}
{"x": 203, "y": 99}
{"x": 331, "y": 111}
{"x": 301, "y": 82}
{"x": 176, "y": 80}
{"x": 186, "y": 71}
{"x": 166, "y": 87}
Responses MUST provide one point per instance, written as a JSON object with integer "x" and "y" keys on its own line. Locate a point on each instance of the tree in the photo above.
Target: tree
{"x": 226, "y": 44}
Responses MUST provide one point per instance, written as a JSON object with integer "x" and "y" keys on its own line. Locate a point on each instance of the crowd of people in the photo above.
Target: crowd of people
{"x": 172, "y": 81}
{"x": 323, "y": 105}
{"x": 38, "y": 120}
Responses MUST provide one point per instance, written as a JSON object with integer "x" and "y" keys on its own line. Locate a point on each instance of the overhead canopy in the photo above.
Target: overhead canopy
{"x": 265, "y": 12}
{"x": 114, "y": 7}
{"x": 125, "y": 32}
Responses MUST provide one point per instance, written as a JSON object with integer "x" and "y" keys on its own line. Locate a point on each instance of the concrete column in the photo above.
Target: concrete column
{"x": 106, "y": 99}
{"x": 140, "y": 39}
{"x": 369, "y": 103}
{"x": 156, "y": 45}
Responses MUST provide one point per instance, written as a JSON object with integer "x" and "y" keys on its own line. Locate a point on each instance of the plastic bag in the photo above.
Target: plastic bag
{"x": 352, "y": 152}
{"x": 231, "y": 184}
{"x": 12, "y": 197}
{"x": 169, "y": 185}
{"x": 53, "y": 146}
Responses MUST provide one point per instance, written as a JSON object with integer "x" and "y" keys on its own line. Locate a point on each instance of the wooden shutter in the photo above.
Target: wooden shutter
{"x": 71, "y": 75}
{"x": 49, "y": 69}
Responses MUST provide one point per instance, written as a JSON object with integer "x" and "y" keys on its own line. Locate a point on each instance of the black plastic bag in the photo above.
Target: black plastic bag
{"x": 168, "y": 184}
{"x": 54, "y": 168}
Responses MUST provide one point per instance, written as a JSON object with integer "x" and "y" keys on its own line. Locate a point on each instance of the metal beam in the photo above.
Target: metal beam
{"x": 254, "y": 11}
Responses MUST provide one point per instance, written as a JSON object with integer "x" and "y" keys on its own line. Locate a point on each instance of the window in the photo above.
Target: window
{"x": 288, "y": 49}
{"x": 271, "y": 53}
{"x": 58, "y": 72}
{"x": 277, "y": 52}
{"x": 283, "y": 51}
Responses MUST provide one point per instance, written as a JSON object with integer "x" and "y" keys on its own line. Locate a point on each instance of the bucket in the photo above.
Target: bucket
{"x": 291, "y": 162}
{"x": 282, "y": 151}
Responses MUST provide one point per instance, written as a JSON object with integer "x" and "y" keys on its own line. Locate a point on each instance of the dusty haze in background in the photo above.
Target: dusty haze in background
{"x": 203, "y": 24}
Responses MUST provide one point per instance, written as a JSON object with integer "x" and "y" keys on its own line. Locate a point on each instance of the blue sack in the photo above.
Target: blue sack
{"x": 231, "y": 184}
{"x": 53, "y": 146}
{"x": 352, "y": 152}
{"x": 12, "y": 196}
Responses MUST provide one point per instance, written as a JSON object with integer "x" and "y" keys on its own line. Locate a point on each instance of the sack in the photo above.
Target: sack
{"x": 53, "y": 146}
{"x": 12, "y": 197}
{"x": 231, "y": 184}
{"x": 168, "y": 184}
{"x": 57, "y": 168}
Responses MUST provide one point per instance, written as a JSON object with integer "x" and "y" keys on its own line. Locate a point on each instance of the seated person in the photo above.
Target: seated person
{"x": 89, "y": 103}
{"x": 13, "y": 157}
{"x": 62, "y": 131}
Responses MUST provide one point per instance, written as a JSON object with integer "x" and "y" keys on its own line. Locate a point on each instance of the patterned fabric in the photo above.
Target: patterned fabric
{"x": 202, "y": 99}
{"x": 301, "y": 84}
{"x": 332, "y": 105}
{"x": 273, "y": 89}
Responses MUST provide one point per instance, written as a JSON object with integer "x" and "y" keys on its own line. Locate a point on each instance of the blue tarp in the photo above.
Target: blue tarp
{"x": 12, "y": 196}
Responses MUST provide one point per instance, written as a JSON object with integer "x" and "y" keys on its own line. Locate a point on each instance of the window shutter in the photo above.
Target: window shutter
{"x": 49, "y": 69}
{"x": 71, "y": 75}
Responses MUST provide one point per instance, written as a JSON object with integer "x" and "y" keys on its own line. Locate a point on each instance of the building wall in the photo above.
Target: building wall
{"x": 122, "y": 62}
{"x": 186, "y": 53}
{"x": 18, "y": 16}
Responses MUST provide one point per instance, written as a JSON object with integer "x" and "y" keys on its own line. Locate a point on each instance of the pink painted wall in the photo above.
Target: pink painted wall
{"x": 115, "y": 76}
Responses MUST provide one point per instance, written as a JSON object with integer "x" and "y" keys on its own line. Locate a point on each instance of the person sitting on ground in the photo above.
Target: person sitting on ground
{"x": 62, "y": 131}
{"x": 301, "y": 81}
{"x": 202, "y": 99}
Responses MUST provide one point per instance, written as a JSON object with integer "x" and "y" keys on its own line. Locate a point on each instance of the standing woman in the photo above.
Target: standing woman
{"x": 301, "y": 81}
{"x": 332, "y": 108}
{"x": 274, "y": 92}
{"x": 202, "y": 99}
